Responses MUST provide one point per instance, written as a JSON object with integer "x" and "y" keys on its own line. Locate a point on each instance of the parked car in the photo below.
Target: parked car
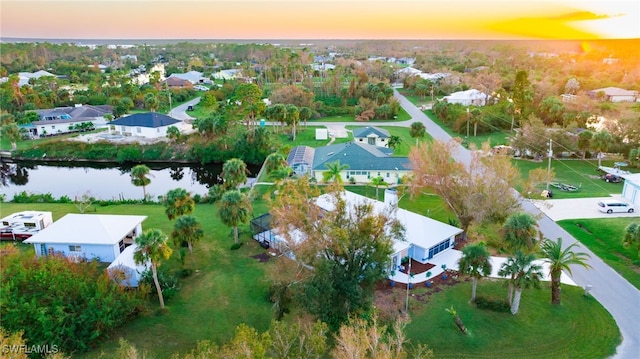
{"x": 609, "y": 177}
{"x": 611, "y": 205}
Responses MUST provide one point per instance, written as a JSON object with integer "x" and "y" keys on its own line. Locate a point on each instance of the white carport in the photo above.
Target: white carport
{"x": 124, "y": 269}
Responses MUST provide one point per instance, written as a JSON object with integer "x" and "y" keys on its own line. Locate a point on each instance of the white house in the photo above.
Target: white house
{"x": 124, "y": 268}
{"x": 614, "y": 94}
{"x": 24, "y": 77}
{"x": 88, "y": 236}
{"x": 148, "y": 125}
{"x": 631, "y": 188}
{"x": 229, "y": 74}
{"x": 467, "y": 98}
{"x": 195, "y": 77}
{"x": 372, "y": 135}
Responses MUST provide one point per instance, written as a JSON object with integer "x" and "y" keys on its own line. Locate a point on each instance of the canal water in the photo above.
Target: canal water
{"x": 103, "y": 181}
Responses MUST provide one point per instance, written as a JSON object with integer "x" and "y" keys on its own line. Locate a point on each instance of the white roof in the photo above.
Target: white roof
{"x": 419, "y": 230}
{"x": 88, "y": 229}
{"x": 125, "y": 259}
{"x": 191, "y": 76}
{"x": 468, "y": 94}
{"x": 26, "y": 216}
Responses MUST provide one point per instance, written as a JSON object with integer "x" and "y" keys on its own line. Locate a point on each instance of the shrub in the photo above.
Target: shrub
{"x": 54, "y": 300}
{"x": 236, "y": 246}
{"x": 168, "y": 283}
{"x": 496, "y": 305}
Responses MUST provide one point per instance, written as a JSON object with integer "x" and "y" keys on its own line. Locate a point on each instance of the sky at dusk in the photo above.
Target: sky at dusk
{"x": 315, "y": 19}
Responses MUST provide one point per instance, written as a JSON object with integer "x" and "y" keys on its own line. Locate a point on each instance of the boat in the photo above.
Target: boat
{"x": 22, "y": 225}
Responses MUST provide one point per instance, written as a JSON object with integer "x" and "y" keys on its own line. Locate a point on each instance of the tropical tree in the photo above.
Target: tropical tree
{"x": 178, "y": 202}
{"x": 235, "y": 209}
{"x": 600, "y": 142}
{"x": 292, "y": 118}
{"x": 151, "y": 101}
{"x": 417, "y": 131}
{"x": 234, "y": 173}
{"x": 173, "y": 133}
{"x": 527, "y": 274}
{"x": 560, "y": 259}
{"x": 632, "y": 236}
{"x": 187, "y": 230}
{"x": 520, "y": 231}
{"x": 153, "y": 249}
{"x": 377, "y": 182}
{"x": 584, "y": 142}
{"x": 509, "y": 269}
{"x": 333, "y": 172}
{"x": 140, "y": 178}
{"x": 12, "y": 132}
{"x": 394, "y": 141}
{"x": 274, "y": 161}
{"x": 475, "y": 262}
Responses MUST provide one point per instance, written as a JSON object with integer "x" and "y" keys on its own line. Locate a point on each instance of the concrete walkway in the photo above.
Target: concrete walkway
{"x": 574, "y": 208}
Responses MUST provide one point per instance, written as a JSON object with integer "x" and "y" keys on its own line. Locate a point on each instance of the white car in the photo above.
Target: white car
{"x": 611, "y": 205}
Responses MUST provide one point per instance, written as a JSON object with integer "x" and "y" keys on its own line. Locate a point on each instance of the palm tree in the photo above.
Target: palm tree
{"x": 273, "y": 161}
{"x": 520, "y": 231}
{"x": 528, "y": 274}
{"x": 12, "y": 132}
{"x": 377, "y": 182}
{"x": 235, "y": 209}
{"x": 333, "y": 172}
{"x": 600, "y": 143}
{"x": 475, "y": 262}
{"x": 187, "y": 229}
{"x": 417, "y": 131}
{"x": 178, "y": 202}
{"x": 280, "y": 174}
{"x": 584, "y": 142}
{"x": 559, "y": 260}
{"x": 153, "y": 249}
{"x": 139, "y": 177}
{"x": 234, "y": 173}
{"x": 509, "y": 269}
{"x": 632, "y": 236}
{"x": 394, "y": 141}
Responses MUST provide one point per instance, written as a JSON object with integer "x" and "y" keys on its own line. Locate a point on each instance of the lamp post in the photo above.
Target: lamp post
{"x": 549, "y": 165}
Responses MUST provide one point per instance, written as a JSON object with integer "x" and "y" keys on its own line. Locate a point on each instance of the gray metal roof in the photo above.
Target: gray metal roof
{"x": 300, "y": 154}
{"x": 147, "y": 119}
{"x": 366, "y": 131}
{"x": 359, "y": 157}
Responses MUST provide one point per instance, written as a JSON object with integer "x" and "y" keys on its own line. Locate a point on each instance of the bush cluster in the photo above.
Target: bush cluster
{"x": 496, "y": 305}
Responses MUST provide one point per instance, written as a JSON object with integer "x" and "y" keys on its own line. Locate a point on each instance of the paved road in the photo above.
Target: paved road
{"x": 615, "y": 293}
{"x": 180, "y": 112}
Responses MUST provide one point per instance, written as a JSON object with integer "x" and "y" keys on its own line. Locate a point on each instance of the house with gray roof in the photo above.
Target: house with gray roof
{"x": 364, "y": 162}
{"x": 614, "y": 94}
{"x": 372, "y": 135}
{"x": 66, "y": 119}
{"x": 148, "y": 125}
{"x": 195, "y": 77}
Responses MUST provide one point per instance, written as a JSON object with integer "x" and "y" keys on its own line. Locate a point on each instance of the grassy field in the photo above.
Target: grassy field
{"x": 402, "y": 116}
{"x": 579, "y": 328}
{"x": 603, "y": 236}
{"x": 582, "y": 173}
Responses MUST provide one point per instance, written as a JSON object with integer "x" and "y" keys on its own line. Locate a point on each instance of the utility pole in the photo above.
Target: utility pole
{"x": 406, "y": 306}
{"x": 468, "y": 114}
{"x": 549, "y": 166}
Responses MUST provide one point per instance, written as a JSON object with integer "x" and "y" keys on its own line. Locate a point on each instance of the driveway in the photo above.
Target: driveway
{"x": 574, "y": 208}
{"x": 180, "y": 112}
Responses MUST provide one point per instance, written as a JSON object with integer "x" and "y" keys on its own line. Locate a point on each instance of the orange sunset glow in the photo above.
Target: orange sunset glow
{"x": 314, "y": 19}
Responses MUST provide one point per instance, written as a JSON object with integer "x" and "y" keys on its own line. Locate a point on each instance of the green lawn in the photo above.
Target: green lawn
{"x": 603, "y": 236}
{"x": 583, "y": 173}
{"x": 5, "y": 144}
{"x": 494, "y": 138}
{"x": 402, "y": 116}
{"x": 579, "y": 328}
{"x": 228, "y": 287}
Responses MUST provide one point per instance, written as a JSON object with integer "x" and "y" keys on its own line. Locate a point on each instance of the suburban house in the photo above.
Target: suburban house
{"x": 22, "y": 225}
{"x": 230, "y": 74}
{"x": 176, "y": 82}
{"x": 364, "y": 162}
{"x": 372, "y": 135}
{"x": 631, "y": 188}
{"x": 65, "y": 119}
{"x": 88, "y": 236}
{"x": 467, "y": 98}
{"x": 124, "y": 268}
{"x": 425, "y": 238}
{"x": 195, "y": 77}
{"x": 24, "y": 77}
{"x": 614, "y": 94}
{"x": 148, "y": 125}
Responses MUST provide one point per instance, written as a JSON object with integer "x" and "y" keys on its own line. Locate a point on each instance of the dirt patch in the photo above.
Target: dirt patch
{"x": 262, "y": 257}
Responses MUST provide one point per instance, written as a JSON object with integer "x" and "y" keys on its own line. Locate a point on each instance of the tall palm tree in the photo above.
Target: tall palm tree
{"x": 235, "y": 209}
{"x": 600, "y": 142}
{"x": 333, "y": 172}
{"x": 377, "y": 182}
{"x": 509, "y": 269}
{"x": 417, "y": 131}
{"x": 528, "y": 274}
{"x": 178, "y": 202}
{"x": 234, "y": 173}
{"x": 273, "y": 161}
{"x": 187, "y": 229}
{"x": 559, "y": 260}
{"x": 520, "y": 231}
{"x": 140, "y": 178}
{"x": 475, "y": 262}
{"x": 153, "y": 248}
{"x": 394, "y": 141}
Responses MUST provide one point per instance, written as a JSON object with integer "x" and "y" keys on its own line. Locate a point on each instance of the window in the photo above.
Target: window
{"x": 372, "y": 140}
{"x": 138, "y": 129}
{"x": 30, "y": 224}
{"x": 121, "y": 244}
{"x": 75, "y": 248}
{"x": 439, "y": 248}
{"x": 387, "y": 174}
{"x": 378, "y": 174}
{"x": 43, "y": 249}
